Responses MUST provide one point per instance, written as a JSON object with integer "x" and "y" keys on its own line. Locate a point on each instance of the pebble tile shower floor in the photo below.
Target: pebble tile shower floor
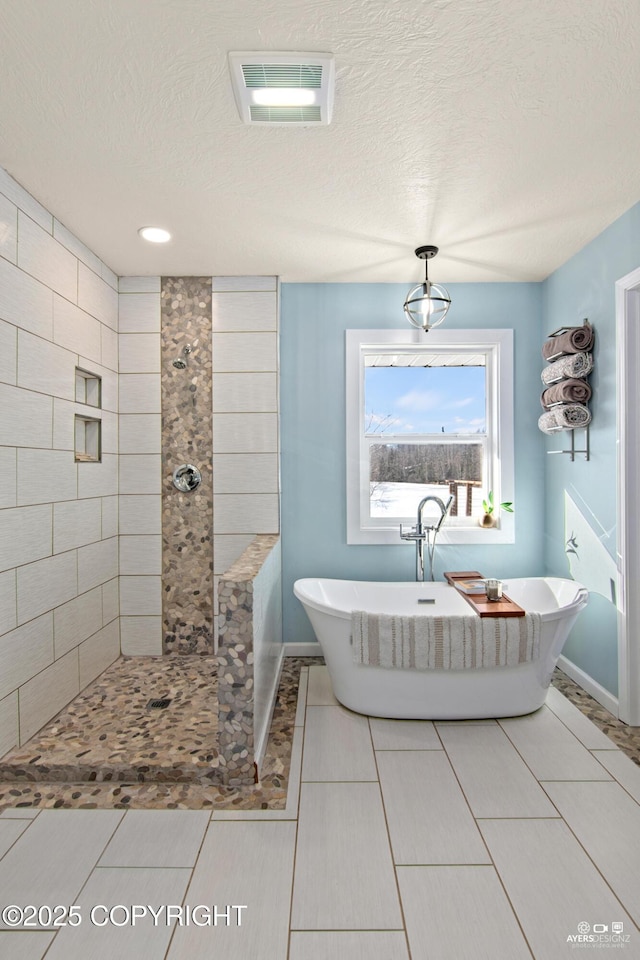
{"x": 107, "y": 748}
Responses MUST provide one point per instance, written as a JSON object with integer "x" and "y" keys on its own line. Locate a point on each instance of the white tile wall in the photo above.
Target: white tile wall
{"x": 240, "y": 284}
{"x": 141, "y": 636}
{"x": 45, "y": 475}
{"x": 109, "y": 517}
{"x": 25, "y": 652}
{"x": 237, "y": 352}
{"x": 140, "y": 393}
{"x": 76, "y": 523}
{"x": 140, "y": 556}
{"x": 246, "y": 513}
{"x": 140, "y": 474}
{"x": 8, "y": 611}
{"x": 246, "y": 472}
{"x": 98, "y": 479}
{"x": 77, "y": 620}
{"x": 45, "y": 367}
{"x": 26, "y": 534}
{"x": 241, "y": 312}
{"x": 110, "y": 600}
{"x": 76, "y": 247}
{"x": 97, "y": 297}
{"x": 141, "y": 596}
{"x": 18, "y": 195}
{"x": 139, "y": 353}
{"x": 8, "y": 352}
{"x": 140, "y": 433}
{"x": 45, "y": 259}
{"x": 47, "y": 584}
{"x": 47, "y": 693}
{"x": 245, "y": 392}
{"x": 25, "y": 301}
{"x": 140, "y": 515}
{"x": 9, "y": 732}
{"x": 8, "y": 472}
{"x": 97, "y": 563}
{"x": 98, "y": 652}
{"x": 109, "y": 346}
{"x": 8, "y": 229}
{"x": 76, "y": 330}
{"x": 30, "y": 423}
{"x": 139, "y": 285}
{"x": 245, "y": 432}
{"x": 140, "y": 312}
{"x": 58, "y": 309}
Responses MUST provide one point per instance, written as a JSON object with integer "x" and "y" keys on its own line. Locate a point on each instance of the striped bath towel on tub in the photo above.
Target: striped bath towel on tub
{"x": 444, "y": 643}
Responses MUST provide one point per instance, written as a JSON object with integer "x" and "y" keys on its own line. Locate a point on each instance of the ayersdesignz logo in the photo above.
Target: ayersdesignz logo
{"x": 599, "y": 935}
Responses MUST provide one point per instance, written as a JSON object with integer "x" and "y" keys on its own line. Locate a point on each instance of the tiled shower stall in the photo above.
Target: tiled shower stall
{"x": 104, "y": 558}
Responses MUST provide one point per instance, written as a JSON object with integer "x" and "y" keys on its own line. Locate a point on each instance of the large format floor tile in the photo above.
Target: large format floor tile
{"x": 586, "y": 731}
{"x": 157, "y": 838}
{"x": 347, "y": 945}
{"x": 552, "y": 884}
{"x": 10, "y": 830}
{"x": 428, "y": 817}
{"x": 493, "y": 776}
{"x": 21, "y": 945}
{"x": 459, "y": 913}
{"x": 54, "y": 856}
{"x": 625, "y": 771}
{"x": 320, "y": 692}
{"x": 344, "y": 876}
{"x": 612, "y": 841}
{"x": 337, "y": 746}
{"x": 550, "y": 750}
{"x": 122, "y": 888}
{"x": 241, "y": 863}
{"x": 404, "y": 734}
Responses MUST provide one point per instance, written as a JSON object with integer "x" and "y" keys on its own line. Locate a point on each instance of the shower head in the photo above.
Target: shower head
{"x": 180, "y": 363}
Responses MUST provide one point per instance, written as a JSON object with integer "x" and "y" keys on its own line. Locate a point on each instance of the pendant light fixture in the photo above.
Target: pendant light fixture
{"x": 427, "y": 303}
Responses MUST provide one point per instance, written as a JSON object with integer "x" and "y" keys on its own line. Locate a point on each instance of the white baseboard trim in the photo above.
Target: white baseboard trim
{"x": 608, "y": 701}
{"x": 312, "y": 649}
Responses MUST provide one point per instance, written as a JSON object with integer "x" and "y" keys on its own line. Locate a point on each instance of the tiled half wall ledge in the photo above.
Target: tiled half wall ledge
{"x": 249, "y": 657}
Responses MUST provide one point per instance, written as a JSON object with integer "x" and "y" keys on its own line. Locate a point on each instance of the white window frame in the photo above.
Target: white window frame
{"x": 497, "y": 345}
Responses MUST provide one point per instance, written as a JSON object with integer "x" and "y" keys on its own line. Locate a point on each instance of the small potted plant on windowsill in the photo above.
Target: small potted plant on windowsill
{"x": 489, "y": 517}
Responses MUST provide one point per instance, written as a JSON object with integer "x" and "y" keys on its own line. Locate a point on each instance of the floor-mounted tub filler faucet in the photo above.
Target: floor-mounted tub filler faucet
{"x": 422, "y": 534}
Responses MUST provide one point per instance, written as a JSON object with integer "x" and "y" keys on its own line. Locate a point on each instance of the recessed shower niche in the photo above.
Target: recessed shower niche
{"x": 87, "y": 440}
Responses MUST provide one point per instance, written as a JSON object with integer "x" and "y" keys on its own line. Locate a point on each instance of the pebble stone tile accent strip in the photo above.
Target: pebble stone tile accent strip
{"x": 270, "y": 793}
{"x": 187, "y": 419}
{"x": 235, "y": 663}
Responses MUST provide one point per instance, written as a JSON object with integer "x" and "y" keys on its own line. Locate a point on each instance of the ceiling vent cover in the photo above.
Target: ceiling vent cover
{"x": 283, "y": 89}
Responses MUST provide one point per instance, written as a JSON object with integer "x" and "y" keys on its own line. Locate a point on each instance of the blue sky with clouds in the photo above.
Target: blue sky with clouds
{"x": 412, "y": 400}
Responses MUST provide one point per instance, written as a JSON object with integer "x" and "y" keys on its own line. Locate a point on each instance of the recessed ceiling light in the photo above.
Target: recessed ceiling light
{"x": 283, "y": 89}
{"x": 154, "y": 234}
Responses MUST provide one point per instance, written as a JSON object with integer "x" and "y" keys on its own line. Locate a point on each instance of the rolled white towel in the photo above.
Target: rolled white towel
{"x": 565, "y": 416}
{"x": 574, "y": 365}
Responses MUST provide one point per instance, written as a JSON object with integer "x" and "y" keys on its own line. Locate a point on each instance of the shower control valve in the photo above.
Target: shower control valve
{"x": 186, "y": 478}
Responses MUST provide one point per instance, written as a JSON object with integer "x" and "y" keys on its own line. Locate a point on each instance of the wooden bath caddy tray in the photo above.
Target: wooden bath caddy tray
{"x": 483, "y": 607}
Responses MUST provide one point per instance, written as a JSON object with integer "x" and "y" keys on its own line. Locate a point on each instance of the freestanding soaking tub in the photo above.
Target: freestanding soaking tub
{"x": 504, "y": 691}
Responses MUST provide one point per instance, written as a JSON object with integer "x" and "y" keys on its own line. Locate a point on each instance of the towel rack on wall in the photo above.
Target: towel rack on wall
{"x": 568, "y": 353}
{"x": 572, "y": 451}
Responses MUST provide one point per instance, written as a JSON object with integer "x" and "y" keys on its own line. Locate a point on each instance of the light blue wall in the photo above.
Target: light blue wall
{"x": 585, "y": 287}
{"x": 313, "y": 320}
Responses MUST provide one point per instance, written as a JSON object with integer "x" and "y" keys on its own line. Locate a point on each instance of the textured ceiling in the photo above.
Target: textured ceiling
{"x": 504, "y": 131}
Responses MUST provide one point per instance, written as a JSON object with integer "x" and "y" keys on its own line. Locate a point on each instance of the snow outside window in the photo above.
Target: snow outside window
{"x": 428, "y": 414}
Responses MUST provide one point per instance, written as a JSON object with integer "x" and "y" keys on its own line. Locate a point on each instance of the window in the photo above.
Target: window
{"x": 428, "y": 415}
